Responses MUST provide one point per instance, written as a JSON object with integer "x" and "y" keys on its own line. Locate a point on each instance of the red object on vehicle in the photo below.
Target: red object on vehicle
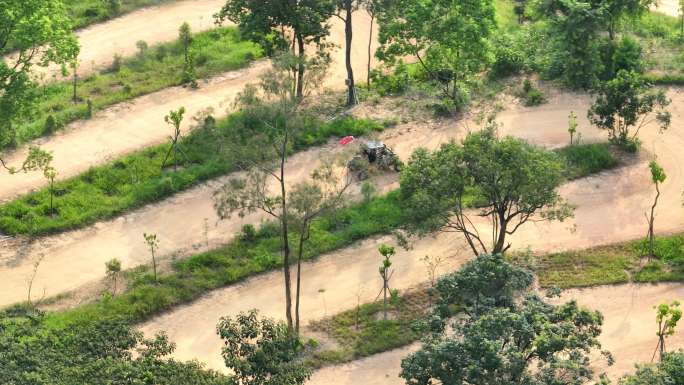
{"x": 346, "y": 140}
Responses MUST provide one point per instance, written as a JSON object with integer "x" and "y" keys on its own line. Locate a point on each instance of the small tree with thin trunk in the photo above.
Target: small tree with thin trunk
{"x": 431, "y": 265}
{"x": 74, "y": 74}
{"x": 386, "y": 273}
{"x": 113, "y": 271}
{"x": 658, "y": 177}
{"x": 50, "y": 173}
{"x": 345, "y": 11}
{"x": 322, "y": 195}
{"x": 29, "y": 298}
{"x": 572, "y": 126}
{"x": 153, "y": 244}
{"x": 271, "y": 116}
{"x": 667, "y": 317}
{"x": 174, "y": 118}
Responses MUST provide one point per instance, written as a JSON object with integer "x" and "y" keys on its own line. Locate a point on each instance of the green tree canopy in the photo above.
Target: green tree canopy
{"x": 94, "y": 353}
{"x": 521, "y": 342}
{"x": 448, "y": 37}
{"x": 261, "y": 351}
{"x": 270, "y": 21}
{"x": 626, "y": 104}
{"x": 667, "y": 372}
{"x": 40, "y": 31}
{"x": 512, "y": 181}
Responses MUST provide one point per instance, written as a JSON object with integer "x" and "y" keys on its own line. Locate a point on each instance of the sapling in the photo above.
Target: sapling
{"x": 32, "y": 278}
{"x": 50, "y": 174}
{"x": 113, "y": 271}
{"x": 657, "y": 176}
{"x": 667, "y": 317}
{"x": 174, "y": 118}
{"x": 153, "y": 244}
{"x": 142, "y": 48}
{"x": 432, "y": 264}
{"x": 386, "y": 273}
{"x": 572, "y": 126}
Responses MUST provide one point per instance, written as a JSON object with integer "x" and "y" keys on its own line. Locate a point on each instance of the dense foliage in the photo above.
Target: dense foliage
{"x": 512, "y": 340}
{"x": 28, "y": 25}
{"x": 448, "y": 38}
{"x": 102, "y": 352}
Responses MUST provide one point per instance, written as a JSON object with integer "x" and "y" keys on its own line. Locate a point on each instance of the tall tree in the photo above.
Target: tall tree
{"x": 40, "y": 31}
{"x": 513, "y": 182}
{"x": 626, "y": 104}
{"x": 273, "y": 115}
{"x": 272, "y": 22}
{"x": 323, "y": 194}
{"x": 449, "y": 38}
{"x": 345, "y": 10}
{"x": 517, "y": 339}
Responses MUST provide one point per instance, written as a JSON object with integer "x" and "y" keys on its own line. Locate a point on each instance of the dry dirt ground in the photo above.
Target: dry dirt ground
{"x": 669, "y": 7}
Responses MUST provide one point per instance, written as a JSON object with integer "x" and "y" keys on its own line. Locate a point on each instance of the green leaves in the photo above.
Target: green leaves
{"x": 508, "y": 341}
{"x": 448, "y": 37}
{"x": 624, "y": 105}
{"x": 40, "y": 31}
{"x": 512, "y": 179}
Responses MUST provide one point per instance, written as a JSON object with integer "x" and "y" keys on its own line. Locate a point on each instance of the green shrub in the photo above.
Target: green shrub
{"x": 508, "y": 58}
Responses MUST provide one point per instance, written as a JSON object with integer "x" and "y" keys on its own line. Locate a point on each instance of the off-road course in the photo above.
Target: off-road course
{"x": 610, "y": 206}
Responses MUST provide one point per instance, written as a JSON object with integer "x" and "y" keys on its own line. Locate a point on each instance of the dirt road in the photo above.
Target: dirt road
{"x": 609, "y": 209}
{"x": 125, "y": 128}
{"x": 139, "y": 123}
{"x": 628, "y": 332}
{"x": 669, "y": 7}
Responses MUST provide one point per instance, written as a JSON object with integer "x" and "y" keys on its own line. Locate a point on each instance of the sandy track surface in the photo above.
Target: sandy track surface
{"x": 610, "y": 205}
{"x": 668, "y": 7}
{"x": 610, "y": 208}
{"x": 628, "y": 332}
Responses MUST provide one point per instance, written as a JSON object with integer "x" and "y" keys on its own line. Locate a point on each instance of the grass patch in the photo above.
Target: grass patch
{"x": 137, "y": 179}
{"x": 158, "y": 67}
{"x": 620, "y": 263}
{"x": 584, "y": 159}
{"x": 362, "y": 332}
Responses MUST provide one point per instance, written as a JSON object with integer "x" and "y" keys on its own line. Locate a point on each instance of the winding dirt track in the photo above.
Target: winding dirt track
{"x": 668, "y": 7}
{"x": 610, "y": 208}
{"x": 77, "y": 257}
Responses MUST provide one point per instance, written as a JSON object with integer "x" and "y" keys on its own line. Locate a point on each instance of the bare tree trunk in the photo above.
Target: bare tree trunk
{"x": 501, "y": 238}
{"x": 75, "y": 97}
{"x": 286, "y": 244}
{"x": 348, "y": 34}
{"x": 370, "y": 57}
{"x": 299, "y": 279}
{"x": 651, "y": 220}
{"x": 300, "y": 67}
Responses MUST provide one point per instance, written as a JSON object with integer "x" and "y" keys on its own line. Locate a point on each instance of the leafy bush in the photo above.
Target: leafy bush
{"x": 509, "y": 59}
